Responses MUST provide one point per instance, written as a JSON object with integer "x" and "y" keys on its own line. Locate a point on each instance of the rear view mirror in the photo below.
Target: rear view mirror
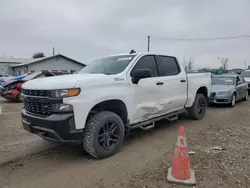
{"x": 140, "y": 74}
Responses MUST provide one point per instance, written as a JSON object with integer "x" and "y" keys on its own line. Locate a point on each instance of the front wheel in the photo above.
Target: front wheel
{"x": 198, "y": 109}
{"x": 233, "y": 100}
{"x": 18, "y": 98}
{"x": 104, "y": 134}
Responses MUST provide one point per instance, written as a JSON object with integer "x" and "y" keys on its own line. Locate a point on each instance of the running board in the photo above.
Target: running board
{"x": 172, "y": 118}
{"x": 149, "y": 124}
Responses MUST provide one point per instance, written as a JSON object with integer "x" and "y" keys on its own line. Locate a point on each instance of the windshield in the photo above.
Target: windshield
{"x": 223, "y": 81}
{"x": 245, "y": 74}
{"x": 31, "y": 76}
{"x": 108, "y": 65}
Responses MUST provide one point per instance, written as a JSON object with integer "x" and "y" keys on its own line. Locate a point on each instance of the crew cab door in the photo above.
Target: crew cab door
{"x": 147, "y": 92}
{"x": 174, "y": 88}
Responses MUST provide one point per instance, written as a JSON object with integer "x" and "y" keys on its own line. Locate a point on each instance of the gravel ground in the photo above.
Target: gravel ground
{"x": 14, "y": 140}
{"x": 144, "y": 157}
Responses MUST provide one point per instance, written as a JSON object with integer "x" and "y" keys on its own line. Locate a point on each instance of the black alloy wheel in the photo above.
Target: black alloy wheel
{"x": 201, "y": 106}
{"x": 108, "y": 136}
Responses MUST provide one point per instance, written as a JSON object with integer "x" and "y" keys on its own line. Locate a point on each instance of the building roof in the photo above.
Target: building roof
{"x": 6, "y": 59}
{"x": 44, "y": 59}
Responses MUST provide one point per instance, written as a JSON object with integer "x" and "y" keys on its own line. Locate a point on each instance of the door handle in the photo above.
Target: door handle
{"x": 159, "y": 83}
{"x": 183, "y": 80}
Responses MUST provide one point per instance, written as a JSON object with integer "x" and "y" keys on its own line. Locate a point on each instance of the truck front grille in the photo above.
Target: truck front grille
{"x": 37, "y": 93}
{"x": 42, "y": 109}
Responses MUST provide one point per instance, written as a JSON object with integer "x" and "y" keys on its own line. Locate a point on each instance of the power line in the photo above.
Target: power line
{"x": 202, "y": 39}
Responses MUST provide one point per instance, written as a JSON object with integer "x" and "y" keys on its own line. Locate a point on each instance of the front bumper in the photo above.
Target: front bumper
{"x": 221, "y": 99}
{"x": 11, "y": 94}
{"x": 56, "y": 127}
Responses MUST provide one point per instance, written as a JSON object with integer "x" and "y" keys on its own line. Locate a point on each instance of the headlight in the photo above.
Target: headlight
{"x": 63, "y": 107}
{"x": 224, "y": 93}
{"x": 67, "y": 92}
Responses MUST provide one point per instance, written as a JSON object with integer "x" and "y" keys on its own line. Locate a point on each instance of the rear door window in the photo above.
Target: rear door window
{"x": 167, "y": 66}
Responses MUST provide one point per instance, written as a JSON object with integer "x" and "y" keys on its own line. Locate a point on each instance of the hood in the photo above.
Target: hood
{"x": 64, "y": 81}
{"x": 5, "y": 78}
{"x": 7, "y": 83}
{"x": 247, "y": 79}
{"x": 220, "y": 88}
{"x": 19, "y": 77}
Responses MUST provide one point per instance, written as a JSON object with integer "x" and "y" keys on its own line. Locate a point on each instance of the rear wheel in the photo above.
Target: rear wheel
{"x": 198, "y": 110}
{"x": 104, "y": 134}
{"x": 246, "y": 97}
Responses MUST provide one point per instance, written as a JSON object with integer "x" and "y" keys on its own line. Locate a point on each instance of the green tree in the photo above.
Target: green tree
{"x": 38, "y": 55}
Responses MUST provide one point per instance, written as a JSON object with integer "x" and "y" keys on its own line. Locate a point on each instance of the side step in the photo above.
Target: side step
{"x": 149, "y": 124}
{"x": 147, "y": 127}
{"x": 172, "y": 118}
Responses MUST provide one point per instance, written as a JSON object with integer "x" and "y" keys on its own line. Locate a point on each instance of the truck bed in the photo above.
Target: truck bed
{"x": 195, "y": 81}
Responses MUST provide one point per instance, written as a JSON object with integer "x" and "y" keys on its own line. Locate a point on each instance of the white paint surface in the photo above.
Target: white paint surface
{"x": 143, "y": 101}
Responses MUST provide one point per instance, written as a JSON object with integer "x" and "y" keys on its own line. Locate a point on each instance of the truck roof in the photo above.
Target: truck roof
{"x": 140, "y": 53}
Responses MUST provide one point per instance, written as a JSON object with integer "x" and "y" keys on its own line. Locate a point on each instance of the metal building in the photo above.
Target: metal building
{"x": 7, "y": 62}
{"x": 56, "y": 63}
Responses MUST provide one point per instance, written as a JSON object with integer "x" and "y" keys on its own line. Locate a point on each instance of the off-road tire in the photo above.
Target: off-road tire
{"x": 194, "y": 112}
{"x": 90, "y": 140}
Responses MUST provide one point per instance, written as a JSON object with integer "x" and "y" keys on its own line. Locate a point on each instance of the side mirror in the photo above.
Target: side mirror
{"x": 140, "y": 74}
{"x": 238, "y": 83}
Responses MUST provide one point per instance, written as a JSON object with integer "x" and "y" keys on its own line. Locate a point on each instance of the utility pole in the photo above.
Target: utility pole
{"x": 245, "y": 65}
{"x": 148, "y": 43}
{"x": 53, "y": 51}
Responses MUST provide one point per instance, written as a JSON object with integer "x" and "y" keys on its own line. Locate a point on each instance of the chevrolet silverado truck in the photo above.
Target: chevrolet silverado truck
{"x": 110, "y": 97}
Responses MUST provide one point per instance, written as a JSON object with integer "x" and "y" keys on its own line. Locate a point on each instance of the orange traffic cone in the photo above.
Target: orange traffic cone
{"x": 180, "y": 171}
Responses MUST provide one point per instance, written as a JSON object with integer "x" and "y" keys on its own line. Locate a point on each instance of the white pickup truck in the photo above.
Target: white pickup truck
{"x": 111, "y": 96}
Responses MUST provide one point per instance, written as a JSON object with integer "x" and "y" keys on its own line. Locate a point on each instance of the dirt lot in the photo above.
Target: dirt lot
{"x": 14, "y": 141}
{"x": 143, "y": 159}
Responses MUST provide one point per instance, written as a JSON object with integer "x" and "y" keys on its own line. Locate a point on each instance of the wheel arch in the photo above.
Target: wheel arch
{"x": 203, "y": 90}
{"x": 113, "y": 105}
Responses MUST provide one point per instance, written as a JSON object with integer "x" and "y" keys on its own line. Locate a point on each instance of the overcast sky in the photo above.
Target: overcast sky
{"x": 87, "y": 29}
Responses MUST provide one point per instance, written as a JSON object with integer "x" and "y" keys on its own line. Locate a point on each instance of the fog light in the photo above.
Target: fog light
{"x": 64, "y": 107}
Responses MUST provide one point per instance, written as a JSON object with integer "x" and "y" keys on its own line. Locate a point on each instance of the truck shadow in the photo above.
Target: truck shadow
{"x": 69, "y": 151}
{"x": 73, "y": 153}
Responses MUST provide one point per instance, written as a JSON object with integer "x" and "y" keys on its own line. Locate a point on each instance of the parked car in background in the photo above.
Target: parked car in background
{"x": 1, "y": 89}
{"x": 12, "y": 88}
{"x": 246, "y": 75}
{"x": 60, "y": 73}
{"x": 20, "y": 77}
{"x": 4, "y": 77}
{"x": 110, "y": 97}
{"x": 228, "y": 89}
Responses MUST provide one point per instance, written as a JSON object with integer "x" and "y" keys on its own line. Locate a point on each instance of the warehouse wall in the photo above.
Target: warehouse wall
{"x": 20, "y": 70}
{"x": 5, "y": 68}
{"x": 55, "y": 64}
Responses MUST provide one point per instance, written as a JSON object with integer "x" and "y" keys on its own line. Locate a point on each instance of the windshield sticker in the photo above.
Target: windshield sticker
{"x": 124, "y": 59}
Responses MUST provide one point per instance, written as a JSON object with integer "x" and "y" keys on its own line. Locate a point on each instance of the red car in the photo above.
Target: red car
{"x": 12, "y": 89}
